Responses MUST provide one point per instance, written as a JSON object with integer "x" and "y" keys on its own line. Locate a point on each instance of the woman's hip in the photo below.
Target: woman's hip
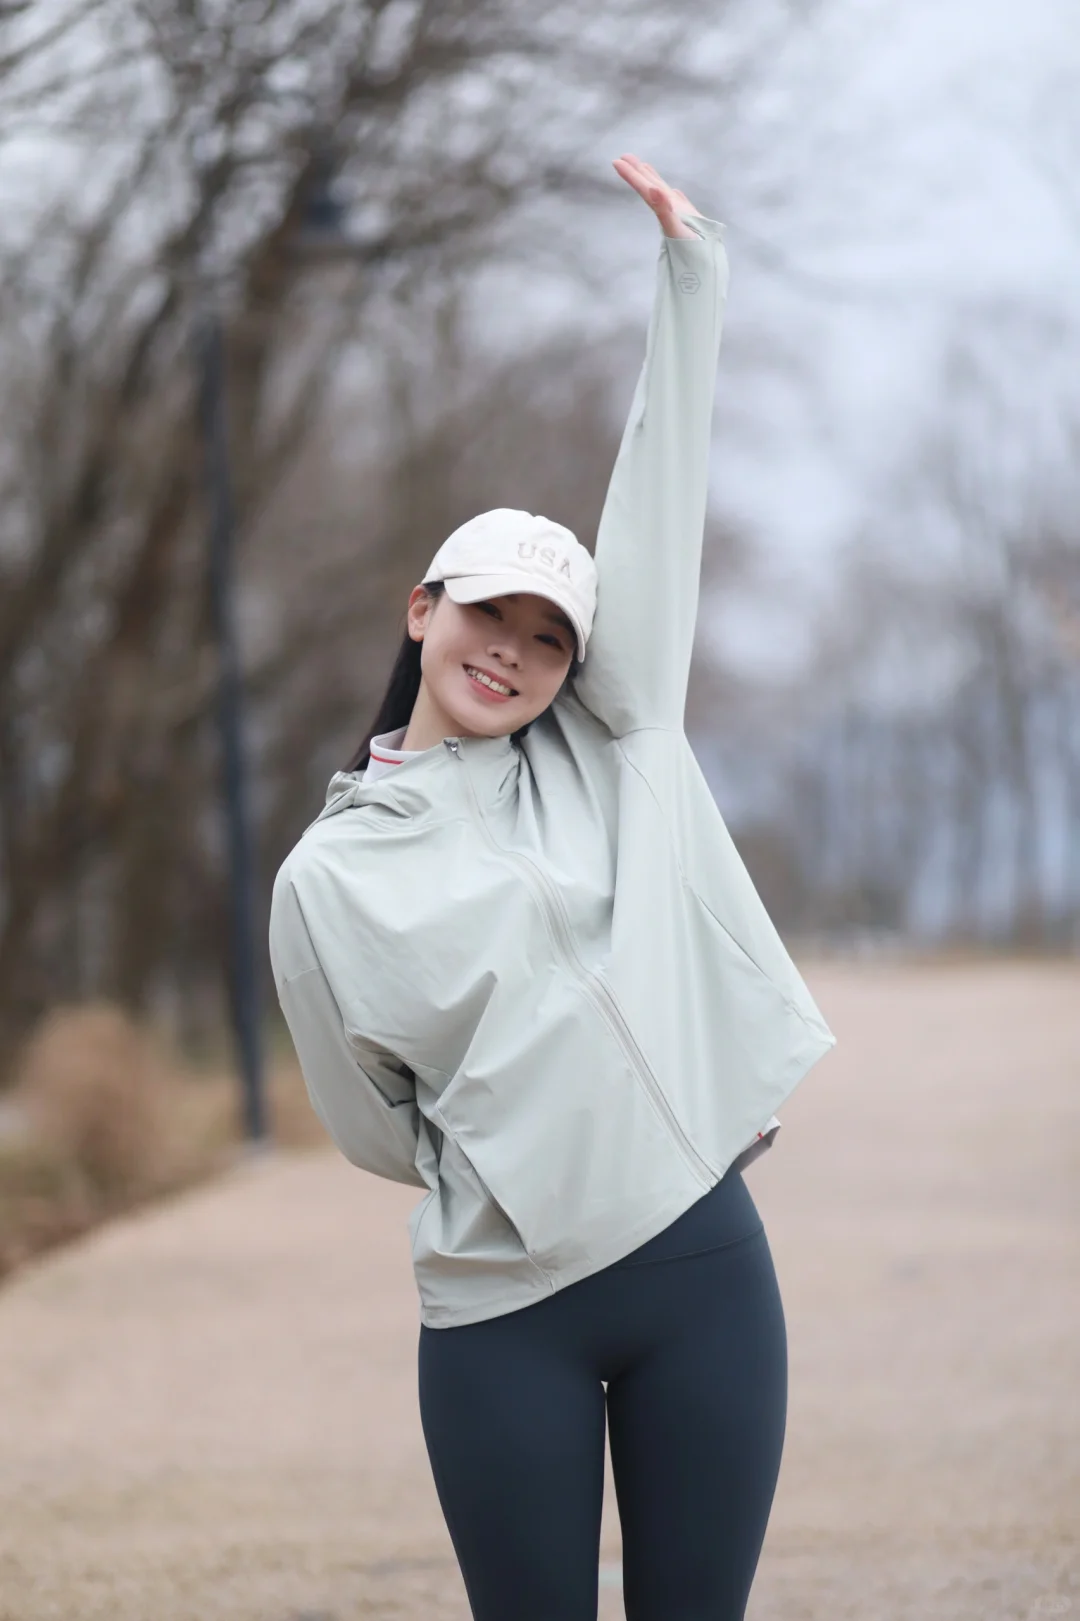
{"x": 702, "y": 1274}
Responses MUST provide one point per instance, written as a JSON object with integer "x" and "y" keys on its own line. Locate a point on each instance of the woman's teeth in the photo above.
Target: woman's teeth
{"x": 486, "y": 681}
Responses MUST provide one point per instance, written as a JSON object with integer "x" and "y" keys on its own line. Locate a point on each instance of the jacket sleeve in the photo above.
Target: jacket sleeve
{"x": 362, "y": 1093}
{"x": 648, "y": 546}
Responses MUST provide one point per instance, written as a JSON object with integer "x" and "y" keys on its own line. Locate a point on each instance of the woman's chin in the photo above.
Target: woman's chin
{"x": 480, "y": 717}
{"x": 498, "y": 723}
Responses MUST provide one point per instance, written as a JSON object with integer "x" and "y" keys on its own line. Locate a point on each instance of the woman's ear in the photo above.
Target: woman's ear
{"x": 421, "y": 603}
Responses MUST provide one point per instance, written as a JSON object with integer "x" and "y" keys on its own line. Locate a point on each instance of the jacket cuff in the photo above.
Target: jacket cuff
{"x": 707, "y": 229}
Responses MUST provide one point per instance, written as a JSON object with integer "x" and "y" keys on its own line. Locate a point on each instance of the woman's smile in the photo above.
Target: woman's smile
{"x": 475, "y": 673}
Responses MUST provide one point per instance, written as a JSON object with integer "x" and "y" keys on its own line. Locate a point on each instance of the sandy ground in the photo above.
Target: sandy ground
{"x": 210, "y": 1410}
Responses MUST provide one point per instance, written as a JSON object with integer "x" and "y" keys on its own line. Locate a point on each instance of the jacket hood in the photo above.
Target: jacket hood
{"x": 423, "y": 784}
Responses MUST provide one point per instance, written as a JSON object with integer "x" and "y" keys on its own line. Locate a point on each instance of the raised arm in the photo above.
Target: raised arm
{"x": 648, "y": 546}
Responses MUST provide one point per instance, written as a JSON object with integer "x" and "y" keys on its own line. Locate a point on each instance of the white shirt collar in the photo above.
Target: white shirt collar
{"x": 386, "y": 753}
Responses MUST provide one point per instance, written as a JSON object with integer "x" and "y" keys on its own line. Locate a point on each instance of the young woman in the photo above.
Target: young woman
{"x": 525, "y": 969}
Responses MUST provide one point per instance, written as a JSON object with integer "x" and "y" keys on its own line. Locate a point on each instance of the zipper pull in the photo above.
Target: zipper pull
{"x": 452, "y": 745}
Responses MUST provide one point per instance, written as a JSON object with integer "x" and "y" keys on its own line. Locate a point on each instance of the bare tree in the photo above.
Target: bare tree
{"x": 932, "y": 747}
{"x": 190, "y": 145}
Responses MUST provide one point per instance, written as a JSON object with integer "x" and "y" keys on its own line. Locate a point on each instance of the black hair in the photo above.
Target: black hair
{"x": 396, "y": 707}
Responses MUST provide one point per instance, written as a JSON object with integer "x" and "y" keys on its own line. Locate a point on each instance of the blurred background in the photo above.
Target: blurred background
{"x": 287, "y": 292}
{"x": 385, "y": 244}
{"x": 290, "y": 290}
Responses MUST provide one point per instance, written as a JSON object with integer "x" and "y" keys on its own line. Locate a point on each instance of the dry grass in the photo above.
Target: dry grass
{"x": 105, "y": 1117}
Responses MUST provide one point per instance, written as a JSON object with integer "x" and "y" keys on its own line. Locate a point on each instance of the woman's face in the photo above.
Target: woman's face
{"x": 522, "y": 641}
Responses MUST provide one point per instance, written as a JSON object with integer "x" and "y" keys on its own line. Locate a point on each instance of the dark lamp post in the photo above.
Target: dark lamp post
{"x": 321, "y": 234}
{"x": 234, "y": 776}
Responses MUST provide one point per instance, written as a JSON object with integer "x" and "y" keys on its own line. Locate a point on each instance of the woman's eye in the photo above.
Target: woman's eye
{"x": 489, "y": 607}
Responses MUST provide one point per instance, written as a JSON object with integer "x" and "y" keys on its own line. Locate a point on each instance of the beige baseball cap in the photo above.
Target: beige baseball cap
{"x": 506, "y": 550}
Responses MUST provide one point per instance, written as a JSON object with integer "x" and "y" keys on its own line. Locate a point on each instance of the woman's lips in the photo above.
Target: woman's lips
{"x": 487, "y": 692}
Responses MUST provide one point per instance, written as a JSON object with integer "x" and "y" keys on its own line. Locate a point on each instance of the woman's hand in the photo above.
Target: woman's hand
{"x": 663, "y": 199}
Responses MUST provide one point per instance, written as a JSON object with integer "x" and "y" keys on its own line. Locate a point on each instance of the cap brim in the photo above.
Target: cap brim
{"x": 477, "y": 587}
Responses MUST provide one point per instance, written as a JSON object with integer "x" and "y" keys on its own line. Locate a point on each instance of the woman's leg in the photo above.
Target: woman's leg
{"x": 513, "y": 1418}
{"x": 696, "y": 1422}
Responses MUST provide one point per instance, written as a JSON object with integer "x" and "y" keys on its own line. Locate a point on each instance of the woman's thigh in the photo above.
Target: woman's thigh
{"x": 514, "y": 1423}
{"x": 696, "y": 1420}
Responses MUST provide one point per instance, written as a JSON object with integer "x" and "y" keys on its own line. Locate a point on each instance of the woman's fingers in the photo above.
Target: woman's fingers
{"x": 651, "y": 185}
{"x": 632, "y": 170}
{"x": 643, "y": 178}
{"x": 655, "y": 176}
{"x": 641, "y": 183}
{"x": 665, "y": 201}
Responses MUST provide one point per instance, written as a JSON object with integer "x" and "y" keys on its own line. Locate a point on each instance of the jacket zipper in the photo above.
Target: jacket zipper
{"x": 599, "y": 993}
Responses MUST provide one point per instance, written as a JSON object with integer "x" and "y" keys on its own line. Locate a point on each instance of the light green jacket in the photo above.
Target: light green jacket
{"x": 536, "y": 980}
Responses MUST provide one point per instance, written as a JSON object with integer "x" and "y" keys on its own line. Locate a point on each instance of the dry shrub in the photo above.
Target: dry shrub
{"x": 96, "y": 1088}
{"x": 102, "y": 1117}
{"x": 44, "y": 1200}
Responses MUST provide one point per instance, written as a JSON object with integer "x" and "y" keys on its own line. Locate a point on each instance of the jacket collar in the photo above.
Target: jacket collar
{"x": 434, "y": 780}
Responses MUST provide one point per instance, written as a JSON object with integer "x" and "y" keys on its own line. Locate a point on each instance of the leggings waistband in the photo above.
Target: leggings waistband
{"x": 724, "y": 1215}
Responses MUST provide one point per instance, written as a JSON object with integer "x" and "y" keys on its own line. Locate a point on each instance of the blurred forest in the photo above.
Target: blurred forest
{"x": 183, "y": 150}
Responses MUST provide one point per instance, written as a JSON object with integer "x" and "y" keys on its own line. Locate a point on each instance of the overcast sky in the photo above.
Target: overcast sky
{"x": 895, "y": 178}
{"x": 933, "y": 186}
{"x": 933, "y": 156}
{"x": 898, "y": 178}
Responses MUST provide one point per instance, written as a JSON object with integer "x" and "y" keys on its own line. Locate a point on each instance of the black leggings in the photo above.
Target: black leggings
{"x": 688, "y": 1332}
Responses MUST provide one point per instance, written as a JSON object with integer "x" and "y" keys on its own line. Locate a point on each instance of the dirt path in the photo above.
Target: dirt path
{"x": 210, "y": 1410}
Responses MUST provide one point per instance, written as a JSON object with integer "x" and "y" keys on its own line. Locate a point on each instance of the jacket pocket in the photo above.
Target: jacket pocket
{"x": 463, "y": 1229}
{"x": 499, "y": 1206}
{"x": 467, "y": 1162}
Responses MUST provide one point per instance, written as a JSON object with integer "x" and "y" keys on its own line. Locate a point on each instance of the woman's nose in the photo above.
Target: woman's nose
{"x": 505, "y": 650}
